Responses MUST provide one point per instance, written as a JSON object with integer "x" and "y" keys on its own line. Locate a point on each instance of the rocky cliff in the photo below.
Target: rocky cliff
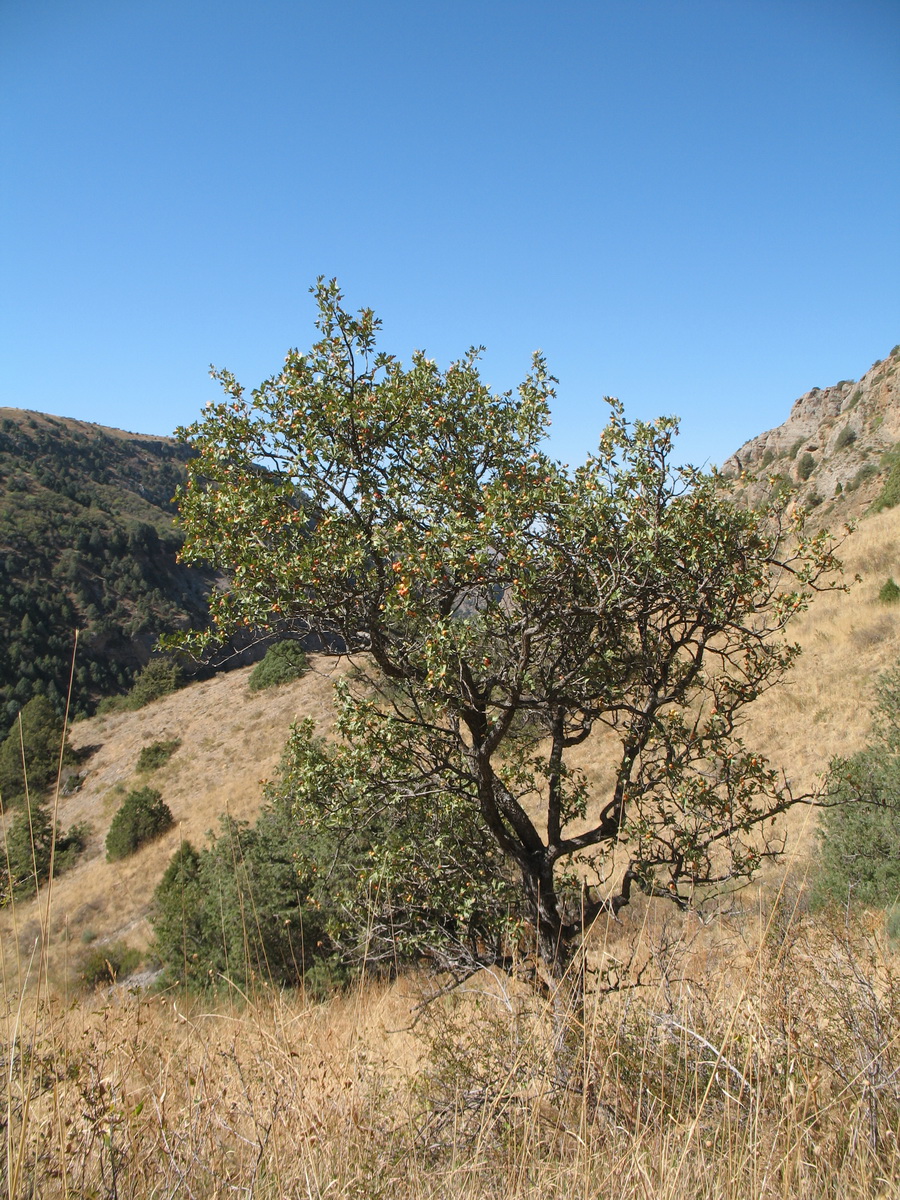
{"x": 838, "y": 447}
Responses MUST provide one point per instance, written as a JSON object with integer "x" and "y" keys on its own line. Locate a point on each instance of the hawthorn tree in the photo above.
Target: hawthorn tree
{"x": 501, "y": 610}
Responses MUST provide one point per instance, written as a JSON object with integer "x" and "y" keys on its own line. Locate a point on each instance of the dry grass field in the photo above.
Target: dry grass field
{"x": 761, "y": 1062}
{"x": 759, "y": 1057}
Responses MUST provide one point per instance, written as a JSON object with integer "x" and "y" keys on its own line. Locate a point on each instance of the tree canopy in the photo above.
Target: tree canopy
{"x": 501, "y": 609}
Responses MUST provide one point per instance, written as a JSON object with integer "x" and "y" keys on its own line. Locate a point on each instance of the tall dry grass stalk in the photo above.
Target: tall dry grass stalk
{"x": 32, "y": 980}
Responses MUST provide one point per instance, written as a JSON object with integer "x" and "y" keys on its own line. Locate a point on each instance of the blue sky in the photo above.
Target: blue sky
{"x": 691, "y": 204}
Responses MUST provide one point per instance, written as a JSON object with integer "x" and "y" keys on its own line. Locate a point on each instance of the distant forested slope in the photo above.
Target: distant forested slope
{"x": 87, "y": 541}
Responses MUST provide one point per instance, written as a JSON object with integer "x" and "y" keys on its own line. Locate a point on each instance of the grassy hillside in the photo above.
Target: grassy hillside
{"x": 87, "y": 541}
{"x": 758, "y": 1058}
{"x": 231, "y": 739}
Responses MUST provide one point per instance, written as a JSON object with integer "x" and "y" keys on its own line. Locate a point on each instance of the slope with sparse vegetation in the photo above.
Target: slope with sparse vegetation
{"x": 231, "y": 737}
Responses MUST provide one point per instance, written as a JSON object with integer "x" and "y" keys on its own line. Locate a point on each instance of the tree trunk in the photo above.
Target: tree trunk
{"x": 552, "y": 944}
{"x": 561, "y": 976}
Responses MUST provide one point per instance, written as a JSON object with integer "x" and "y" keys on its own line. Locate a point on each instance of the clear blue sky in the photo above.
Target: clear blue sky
{"x": 691, "y": 204}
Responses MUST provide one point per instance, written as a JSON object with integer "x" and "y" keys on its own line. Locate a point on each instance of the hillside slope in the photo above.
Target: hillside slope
{"x": 80, "y": 479}
{"x": 87, "y": 541}
{"x": 231, "y": 739}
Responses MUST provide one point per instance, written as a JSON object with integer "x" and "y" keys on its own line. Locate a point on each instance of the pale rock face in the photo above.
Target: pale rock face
{"x": 846, "y": 429}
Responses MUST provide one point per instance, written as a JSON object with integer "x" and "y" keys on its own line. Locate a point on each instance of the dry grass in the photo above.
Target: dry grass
{"x": 759, "y": 1058}
{"x": 848, "y": 639}
{"x": 762, "y": 1061}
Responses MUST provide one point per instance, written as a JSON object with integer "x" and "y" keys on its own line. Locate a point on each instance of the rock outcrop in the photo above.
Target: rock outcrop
{"x": 836, "y": 448}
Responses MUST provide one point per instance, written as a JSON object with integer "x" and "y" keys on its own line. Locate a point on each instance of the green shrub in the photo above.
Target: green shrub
{"x": 70, "y": 844}
{"x": 324, "y": 977}
{"x": 157, "y": 754}
{"x": 243, "y": 908}
{"x": 889, "y": 593}
{"x": 28, "y": 852}
{"x": 41, "y": 738}
{"x": 143, "y": 816}
{"x": 860, "y": 859}
{"x": 889, "y": 495}
{"x": 284, "y": 662}
{"x": 29, "y": 846}
{"x": 845, "y": 438}
{"x": 768, "y": 457}
{"x": 866, "y": 471}
{"x": 179, "y": 919}
{"x": 892, "y": 925}
{"x": 160, "y": 677}
{"x": 806, "y": 466}
{"x": 795, "y": 449}
{"x": 860, "y": 830}
{"x": 103, "y": 965}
